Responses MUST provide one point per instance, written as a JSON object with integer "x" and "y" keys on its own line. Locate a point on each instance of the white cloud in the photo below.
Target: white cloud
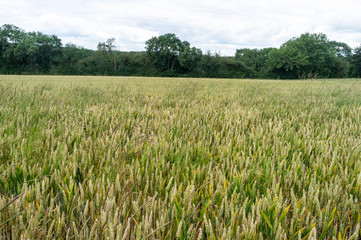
{"x": 215, "y": 25}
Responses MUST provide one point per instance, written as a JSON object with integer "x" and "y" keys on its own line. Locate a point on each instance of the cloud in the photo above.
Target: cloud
{"x": 215, "y": 25}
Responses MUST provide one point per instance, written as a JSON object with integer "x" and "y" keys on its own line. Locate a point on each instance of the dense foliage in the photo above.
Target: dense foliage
{"x": 310, "y": 55}
{"x": 166, "y": 158}
{"x": 307, "y": 56}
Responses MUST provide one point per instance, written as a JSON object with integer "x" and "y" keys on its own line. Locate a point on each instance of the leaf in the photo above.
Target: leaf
{"x": 136, "y": 222}
{"x": 296, "y": 233}
{"x": 332, "y": 216}
{"x": 308, "y": 230}
{"x": 285, "y": 213}
{"x": 324, "y": 232}
{"x": 266, "y": 219}
{"x": 345, "y": 231}
{"x": 205, "y": 208}
{"x": 178, "y": 206}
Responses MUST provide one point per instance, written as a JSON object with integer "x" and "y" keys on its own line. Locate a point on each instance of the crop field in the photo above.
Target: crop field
{"x": 171, "y": 158}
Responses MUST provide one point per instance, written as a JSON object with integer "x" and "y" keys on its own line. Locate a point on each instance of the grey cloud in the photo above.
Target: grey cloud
{"x": 215, "y": 25}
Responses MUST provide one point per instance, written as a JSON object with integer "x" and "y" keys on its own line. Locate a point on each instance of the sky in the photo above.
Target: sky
{"x": 212, "y": 25}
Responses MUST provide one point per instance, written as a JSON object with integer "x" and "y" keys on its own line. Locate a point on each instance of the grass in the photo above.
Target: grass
{"x": 160, "y": 158}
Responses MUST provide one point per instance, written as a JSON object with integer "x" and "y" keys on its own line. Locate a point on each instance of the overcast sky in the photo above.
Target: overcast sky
{"x": 215, "y": 25}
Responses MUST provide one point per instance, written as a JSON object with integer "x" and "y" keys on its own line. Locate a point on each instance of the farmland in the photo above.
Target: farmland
{"x": 171, "y": 158}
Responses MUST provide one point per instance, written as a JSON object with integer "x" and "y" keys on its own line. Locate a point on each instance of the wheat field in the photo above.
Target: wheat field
{"x": 172, "y": 158}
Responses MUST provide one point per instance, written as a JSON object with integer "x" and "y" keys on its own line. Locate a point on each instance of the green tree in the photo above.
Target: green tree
{"x": 164, "y": 50}
{"x": 287, "y": 62}
{"x": 171, "y": 55}
{"x": 343, "y": 54}
{"x": 190, "y": 57}
{"x": 356, "y": 63}
{"x": 108, "y": 53}
{"x": 33, "y": 51}
{"x": 210, "y": 65}
{"x": 44, "y": 51}
{"x": 310, "y": 55}
{"x": 254, "y": 59}
{"x": 10, "y": 37}
{"x": 341, "y": 49}
{"x": 136, "y": 64}
{"x": 229, "y": 67}
{"x": 216, "y": 66}
{"x": 71, "y": 57}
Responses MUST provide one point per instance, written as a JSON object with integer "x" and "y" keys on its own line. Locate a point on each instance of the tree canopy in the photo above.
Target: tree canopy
{"x": 172, "y": 55}
{"x": 356, "y": 63}
{"x": 310, "y": 55}
{"x": 27, "y": 52}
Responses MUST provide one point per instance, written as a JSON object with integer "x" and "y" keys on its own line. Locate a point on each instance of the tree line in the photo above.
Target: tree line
{"x": 306, "y": 56}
